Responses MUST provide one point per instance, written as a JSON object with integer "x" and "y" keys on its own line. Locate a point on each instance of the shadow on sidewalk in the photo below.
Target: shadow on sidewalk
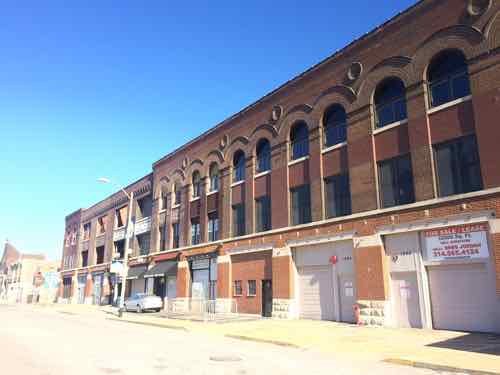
{"x": 483, "y": 343}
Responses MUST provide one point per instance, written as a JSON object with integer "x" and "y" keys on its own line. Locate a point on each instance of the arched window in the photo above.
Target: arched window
{"x": 177, "y": 193}
{"x": 390, "y": 102}
{"x": 214, "y": 177}
{"x": 448, "y": 77}
{"x": 196, "y": 184}
{"x": 299, "y": 138}
{"x": 335, "y": 125}
{"x": 239, "y": 166}
{"x": 263, "y": 152}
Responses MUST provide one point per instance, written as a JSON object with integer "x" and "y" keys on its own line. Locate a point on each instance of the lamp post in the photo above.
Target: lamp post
{"x": 127, "y": 237}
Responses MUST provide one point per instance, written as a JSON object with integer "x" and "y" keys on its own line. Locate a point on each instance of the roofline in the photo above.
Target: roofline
{"x": 336, "y": 54}
{"x": 149, "y": 175}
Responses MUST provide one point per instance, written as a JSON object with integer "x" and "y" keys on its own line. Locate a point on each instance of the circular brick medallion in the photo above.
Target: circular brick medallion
{"x": 355, "y": 71}
{"x": 478, "y": 7}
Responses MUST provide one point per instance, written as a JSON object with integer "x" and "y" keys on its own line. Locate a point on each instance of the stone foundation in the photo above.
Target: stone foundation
{"x": 373, "y": 313}
{"x": 284, "y": 308}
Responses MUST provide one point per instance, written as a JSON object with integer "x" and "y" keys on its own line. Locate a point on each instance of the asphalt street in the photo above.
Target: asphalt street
{"x": 52, "y": 343}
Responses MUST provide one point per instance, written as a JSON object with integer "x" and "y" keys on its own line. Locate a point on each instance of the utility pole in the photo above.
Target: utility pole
{"x": 125, "y": 256}
{"x": 128, "y": 228}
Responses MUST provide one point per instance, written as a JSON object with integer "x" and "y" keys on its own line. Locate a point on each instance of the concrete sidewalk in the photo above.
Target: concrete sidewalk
{"x": 439, "y": 350}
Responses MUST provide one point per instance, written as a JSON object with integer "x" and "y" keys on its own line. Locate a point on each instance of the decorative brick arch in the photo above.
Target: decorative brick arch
{"x": 196, "y": 165}
{"x": 163, "y": 183}
{"x": 263, "y": 131}
{"x": 298, "y": 113}
{"x": 461, "y": 37}
{"x": 339, "y": 94}
{"x": 239, "y": 143}
{"x": 492, "y": 31}
{"x": 214, "y": 156}
{"x": 396, "y": 66}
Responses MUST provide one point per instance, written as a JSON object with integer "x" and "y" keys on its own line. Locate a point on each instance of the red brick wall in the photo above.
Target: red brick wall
{"x": 452, "y": 122}
{"x": 495, "y": 243}
{"x": 335, "y": 162}
{"x": 252, "y": 266}
{"x": 392, "y": 143}
{"x": 371, "y": 273}
{"x": 263, "y": 186}
{"x": 299, "y": 174}
{"x": 283, "y": 277}
{"x": 224, "y": 280}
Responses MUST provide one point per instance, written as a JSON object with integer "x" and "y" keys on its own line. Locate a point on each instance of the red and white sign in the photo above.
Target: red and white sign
{"x": 458, "y": 242}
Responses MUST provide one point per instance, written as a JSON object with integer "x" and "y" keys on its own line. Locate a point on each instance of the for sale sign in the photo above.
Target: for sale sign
{"x": 458, "y": 242}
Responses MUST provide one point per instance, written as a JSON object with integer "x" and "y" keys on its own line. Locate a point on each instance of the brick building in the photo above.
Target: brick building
{"x": 371, "y": 178}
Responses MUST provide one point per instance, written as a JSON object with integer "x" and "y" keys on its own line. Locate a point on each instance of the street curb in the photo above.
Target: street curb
{"x": 265, "y": 341}
{"x": 150, "y": 324}
{"x": 431, "y": 366}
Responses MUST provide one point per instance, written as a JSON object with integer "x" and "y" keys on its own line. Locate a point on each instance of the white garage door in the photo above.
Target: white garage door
{"x": 316, "y": 292}
{"x": 462, "y": 297}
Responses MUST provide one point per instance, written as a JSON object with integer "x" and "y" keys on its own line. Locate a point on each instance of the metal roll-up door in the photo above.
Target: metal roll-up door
{"x": 462, "y": 297}
{"x": 316, "y": 292}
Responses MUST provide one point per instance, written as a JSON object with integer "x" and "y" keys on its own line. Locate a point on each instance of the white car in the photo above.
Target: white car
{"x": 140, "y": 302}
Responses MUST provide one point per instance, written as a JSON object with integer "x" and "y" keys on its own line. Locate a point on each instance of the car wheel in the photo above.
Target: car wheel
{"x": 139, "y": 309}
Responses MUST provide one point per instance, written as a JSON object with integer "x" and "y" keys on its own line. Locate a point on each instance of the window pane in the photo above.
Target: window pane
{"x": 385, "y": 114}
{"x": 338, "y": 196}
{"x": 405, "y": 181}
{"x": 469, "y": 165}
{"x": 440, "y": 93}
{"x": 460, "y": 86}
{"x": 387, "y": 184}
{"x": 301, "y": 205}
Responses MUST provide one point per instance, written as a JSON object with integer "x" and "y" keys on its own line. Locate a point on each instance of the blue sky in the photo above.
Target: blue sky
{"x": 96, "y": 89}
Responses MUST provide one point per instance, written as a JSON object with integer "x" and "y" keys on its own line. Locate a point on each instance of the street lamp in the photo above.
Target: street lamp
{"x": 130, "y": 197}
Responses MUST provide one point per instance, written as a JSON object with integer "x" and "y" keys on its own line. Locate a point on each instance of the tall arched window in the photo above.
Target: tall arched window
{"x": 238, "y": 166}
{"x": 448, "y": 77}
{"x": 214, "y": 177}
{"x": 390, "y": 102}
{"x": 263, "y": 152}
{"x": 299, "y": 138}
{"x": 335, "y": 125}
{"x": 196, "y": 184}
{"x": 177, "y": 193}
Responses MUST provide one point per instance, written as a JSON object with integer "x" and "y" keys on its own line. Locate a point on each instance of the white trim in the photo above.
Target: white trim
{"x": 495, "y": 226}
{"x": 368, "y": 241}
{"x": 299, "y": 160}
{"x": 162, "y": 210}
{"x": 237, "y": 183}
{"x": 262, "y": 174}
{"x": 100, "y": 235}
{"x": 320, "y": 240}
{"x": 212, "y": 192}
{"x": 282, "y": 252}
{"x": 223, "y": 259}
{"x": 465, "y": 218}
{"x": 334, "y": 147}
{"x": 249, "y": 249}
{"x": 389, "y": 126}
{"x": 432, "y": 110}
{"x": 176, "y": 206}
{"x": 195, "y": 199}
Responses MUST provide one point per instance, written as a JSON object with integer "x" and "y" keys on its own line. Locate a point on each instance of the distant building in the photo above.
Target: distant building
{"x": 26, "y": 278}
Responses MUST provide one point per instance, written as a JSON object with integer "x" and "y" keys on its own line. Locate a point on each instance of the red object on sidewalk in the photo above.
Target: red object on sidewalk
{"x": 357, "y": 314}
